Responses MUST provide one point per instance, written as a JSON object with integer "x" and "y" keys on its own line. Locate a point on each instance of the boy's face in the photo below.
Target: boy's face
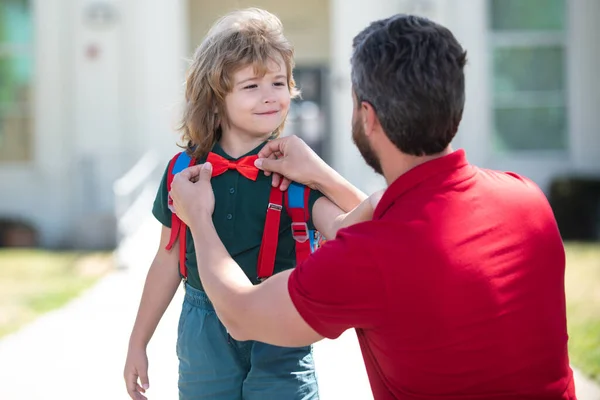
{"x": 258, "y": 105}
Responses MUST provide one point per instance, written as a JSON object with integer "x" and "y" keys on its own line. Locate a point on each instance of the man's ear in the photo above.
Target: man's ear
{"x": 369, "y": 118}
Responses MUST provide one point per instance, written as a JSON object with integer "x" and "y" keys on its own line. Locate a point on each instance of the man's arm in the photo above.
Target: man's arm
{"x": 264, "y": 312}
{"x": 299, "y": 163}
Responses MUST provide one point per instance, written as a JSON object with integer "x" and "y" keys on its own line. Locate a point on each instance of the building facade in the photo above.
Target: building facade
{"x": 90, "y": 87}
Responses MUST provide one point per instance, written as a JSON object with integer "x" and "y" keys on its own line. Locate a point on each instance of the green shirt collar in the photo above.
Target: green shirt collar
{"x": 217, "y": 149}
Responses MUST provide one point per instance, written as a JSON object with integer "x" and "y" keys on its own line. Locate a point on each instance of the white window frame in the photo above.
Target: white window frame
{"x": 512, "y": 39}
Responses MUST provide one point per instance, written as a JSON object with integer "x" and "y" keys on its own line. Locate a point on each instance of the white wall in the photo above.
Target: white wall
{"x": 156, "y": 60}
{"x": 584, "y": 95}
{"x": 127, "y": 102}
{"x": 470, "y": 29}
{"x": 348, "y": 18}
{"x": 94, "y": 117}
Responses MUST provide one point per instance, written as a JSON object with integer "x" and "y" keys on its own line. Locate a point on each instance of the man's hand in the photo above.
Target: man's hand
{"x": 192, "y": 193}
{"x": 293, "y": 159}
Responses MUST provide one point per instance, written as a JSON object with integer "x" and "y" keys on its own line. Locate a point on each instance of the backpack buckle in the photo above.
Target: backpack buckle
{"x": 300, "y": 231}
{"x": 273, "y": 206}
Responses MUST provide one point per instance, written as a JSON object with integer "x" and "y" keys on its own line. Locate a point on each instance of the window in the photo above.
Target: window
{"x": 529, "y": 88}
{"x": 16, "y": 66}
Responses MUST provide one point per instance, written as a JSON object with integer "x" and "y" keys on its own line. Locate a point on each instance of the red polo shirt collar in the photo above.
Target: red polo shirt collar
{"x": 419, "y": 174}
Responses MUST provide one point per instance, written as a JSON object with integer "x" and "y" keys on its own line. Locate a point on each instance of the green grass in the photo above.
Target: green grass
{"x": 33, "y": 282}
{"x": 582, "y": 281}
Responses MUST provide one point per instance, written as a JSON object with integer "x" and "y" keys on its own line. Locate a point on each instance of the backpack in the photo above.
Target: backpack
{"x": 294, "y": 199}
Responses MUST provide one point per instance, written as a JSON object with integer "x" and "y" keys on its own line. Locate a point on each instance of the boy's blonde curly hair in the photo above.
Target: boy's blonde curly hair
{"x": 245, "y": 37}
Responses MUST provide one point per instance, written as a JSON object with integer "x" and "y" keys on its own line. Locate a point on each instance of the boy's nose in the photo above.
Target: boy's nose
{"x": 269, "y": 95}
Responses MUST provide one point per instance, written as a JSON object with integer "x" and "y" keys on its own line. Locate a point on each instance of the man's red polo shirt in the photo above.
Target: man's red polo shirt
{"x": 455, "y": 288}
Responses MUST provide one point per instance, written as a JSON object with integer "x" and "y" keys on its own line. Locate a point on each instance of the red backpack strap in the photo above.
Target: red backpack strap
{"x": 270, "y": 238}
{"x": 296, "y": 204}
{"x": 178, "y": 229}
{"x": 174, "y": 220}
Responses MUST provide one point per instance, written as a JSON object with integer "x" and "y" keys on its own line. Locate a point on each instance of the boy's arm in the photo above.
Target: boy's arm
{"x": 161, "y": 284}
{"x": 160, "y": 287}
{"x": 338, "y": 190}
{"x": 328, "y": 218}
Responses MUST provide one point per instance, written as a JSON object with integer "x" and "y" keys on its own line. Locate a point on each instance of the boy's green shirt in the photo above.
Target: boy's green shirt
{"x": 239, "y": 218}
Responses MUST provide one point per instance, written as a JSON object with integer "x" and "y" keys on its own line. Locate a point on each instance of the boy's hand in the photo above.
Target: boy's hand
{"x": 136, "y": 367}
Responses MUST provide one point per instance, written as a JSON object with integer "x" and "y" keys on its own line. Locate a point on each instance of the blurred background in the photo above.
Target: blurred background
{"x": 91, "y": 92}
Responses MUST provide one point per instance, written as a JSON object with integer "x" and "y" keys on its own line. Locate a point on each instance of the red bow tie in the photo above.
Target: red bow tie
{"x": 245, "y": 165}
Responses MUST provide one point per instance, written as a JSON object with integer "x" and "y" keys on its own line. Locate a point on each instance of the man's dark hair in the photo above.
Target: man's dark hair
{"x": 410, "y": 70}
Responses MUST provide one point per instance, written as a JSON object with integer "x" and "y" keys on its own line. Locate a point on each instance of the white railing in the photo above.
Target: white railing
{"x": 134, "y": 193}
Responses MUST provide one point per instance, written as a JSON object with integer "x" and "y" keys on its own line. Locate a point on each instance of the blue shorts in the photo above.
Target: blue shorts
{"x": 213, "y": 365}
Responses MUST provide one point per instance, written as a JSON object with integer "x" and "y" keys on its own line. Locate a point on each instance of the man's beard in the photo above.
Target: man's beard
{"x": 361, "y": 142}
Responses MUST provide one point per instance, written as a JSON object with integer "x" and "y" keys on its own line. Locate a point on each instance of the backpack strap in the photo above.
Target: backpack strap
{"x": 296, "y": 204}
{"x": 178, "y": 229}
{"x": 270, "y": 238}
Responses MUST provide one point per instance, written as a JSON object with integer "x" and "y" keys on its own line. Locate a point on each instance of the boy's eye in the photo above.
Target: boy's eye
{"x": 280, "y": 84}
{"x": 251, "y": 86}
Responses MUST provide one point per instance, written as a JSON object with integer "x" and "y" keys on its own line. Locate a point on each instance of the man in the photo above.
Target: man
{"x": 455, "y": 287}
